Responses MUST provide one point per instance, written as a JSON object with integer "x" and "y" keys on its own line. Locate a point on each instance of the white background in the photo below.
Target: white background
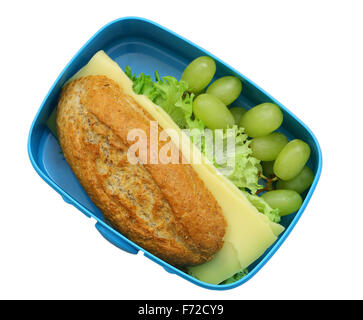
{"x": 307, "y": 54}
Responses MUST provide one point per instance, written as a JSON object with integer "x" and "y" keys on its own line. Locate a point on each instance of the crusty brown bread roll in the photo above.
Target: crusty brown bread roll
{"x": 164, "y": 208}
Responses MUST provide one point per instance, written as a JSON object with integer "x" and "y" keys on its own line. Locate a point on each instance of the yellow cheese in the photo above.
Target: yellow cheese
{"x": 249, "y": 233}
{"x": 223, "y": 265}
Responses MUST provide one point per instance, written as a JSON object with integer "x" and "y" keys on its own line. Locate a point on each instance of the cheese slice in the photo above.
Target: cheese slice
{"x": 249, "y": 233}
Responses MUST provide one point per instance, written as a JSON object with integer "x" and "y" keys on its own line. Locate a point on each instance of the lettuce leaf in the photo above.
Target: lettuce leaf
{"x": 170, "y": 94}
{"x": 236, "y": 277}
{"x": 263, "y": 207}
{"x": 245, "y": 170}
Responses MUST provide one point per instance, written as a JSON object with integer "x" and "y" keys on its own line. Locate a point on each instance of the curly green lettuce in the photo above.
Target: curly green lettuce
{"x": 263, "y": 207}
{"x": 171, "y": 95}
{"x": 237, "y": 276}
{"x": 245, "y": 171}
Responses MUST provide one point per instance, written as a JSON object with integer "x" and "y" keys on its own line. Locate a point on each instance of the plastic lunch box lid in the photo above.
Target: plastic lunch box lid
{"x": 118, "y": 239}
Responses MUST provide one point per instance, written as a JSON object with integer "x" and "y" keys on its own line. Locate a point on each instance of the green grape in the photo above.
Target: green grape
{"x": 227, "y": 89}
{"x": 268, "y": 147}
{"x": 287, "y": 201}
{"x": 300, "y": 183}
{"x": 292, "y": 159}
{"x": 268, "y": 168}
{"x": 262, "y": 119}
{"x": 237, "y": 113}
{"x": 199, "y": 73}
{"x": 213, "y": 112}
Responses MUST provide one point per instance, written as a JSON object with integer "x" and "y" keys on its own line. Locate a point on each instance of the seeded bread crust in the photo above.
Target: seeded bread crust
{"x": 164, "y": 208}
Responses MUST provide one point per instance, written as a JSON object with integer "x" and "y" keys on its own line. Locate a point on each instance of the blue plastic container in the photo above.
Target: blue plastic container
{"x": 146, "y": 47}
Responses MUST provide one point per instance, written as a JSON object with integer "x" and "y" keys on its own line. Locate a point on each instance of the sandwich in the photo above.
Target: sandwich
{"x": 182, "y": 210}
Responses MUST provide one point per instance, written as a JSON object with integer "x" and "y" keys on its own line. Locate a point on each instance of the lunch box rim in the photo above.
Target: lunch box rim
{"x": 121, "y": 241}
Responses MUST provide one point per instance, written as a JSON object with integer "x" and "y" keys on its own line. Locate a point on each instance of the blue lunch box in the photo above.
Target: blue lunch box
{"x": 146, "y": 46}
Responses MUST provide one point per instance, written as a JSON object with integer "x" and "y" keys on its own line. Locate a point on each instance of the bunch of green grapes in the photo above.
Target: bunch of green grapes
{"x": 283, "y": 161}
{"x": 210, "y": 106}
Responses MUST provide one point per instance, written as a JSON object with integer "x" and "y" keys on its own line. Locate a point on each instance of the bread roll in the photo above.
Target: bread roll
{"x": 164, "y": 208}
